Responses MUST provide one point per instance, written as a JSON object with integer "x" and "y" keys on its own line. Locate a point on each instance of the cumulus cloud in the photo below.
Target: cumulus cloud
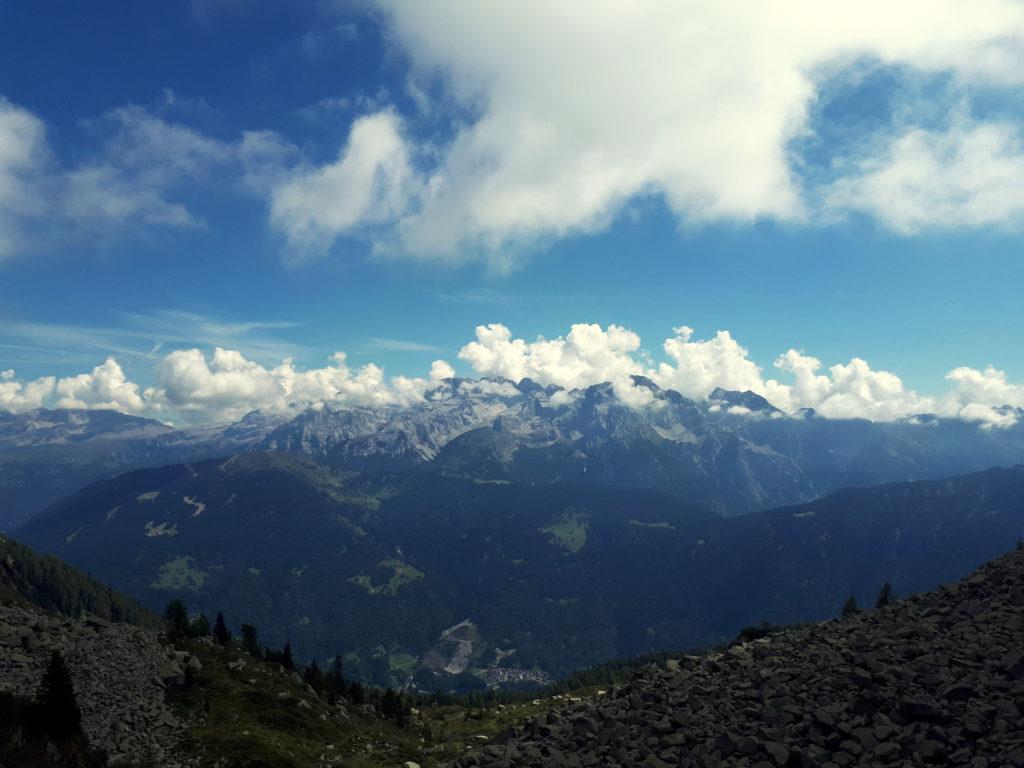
{"x": 567, "y": 111}
{"x": 698, "y": 366}
{"x": 20, "y": 396}
{"x": 853, "y": 390}
{"x": 228, "y": 385}
{"x": 981, "y": 396}
{"x": 587, "y": 355}
{"x": 106, "y": 387}
{"x": 971, "y": 175}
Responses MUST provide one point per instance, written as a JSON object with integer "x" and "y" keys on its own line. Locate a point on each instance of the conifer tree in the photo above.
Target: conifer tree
{"x": 59, "y": 716}
{"x": 312, "y": 676}
{"x": 850, "y": 607}
{"x": 200, "y": 626}
{"x": 356, "y": 694}
{"x": 286, "y": 658}
{"x": 885, "y": 596}
{"x": 336, "y": 680}
{"x": 221, "y": 633}
{"x": 389, "y": 704}
{"x": 176, "y": 619}
{"x": 250, "y": 639}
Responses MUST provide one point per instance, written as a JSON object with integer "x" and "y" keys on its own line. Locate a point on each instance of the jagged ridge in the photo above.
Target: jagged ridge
{"x": 733, "y": 451}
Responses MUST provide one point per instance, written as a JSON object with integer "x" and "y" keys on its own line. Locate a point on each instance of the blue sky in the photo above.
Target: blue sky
{"x": 313, "y": 177}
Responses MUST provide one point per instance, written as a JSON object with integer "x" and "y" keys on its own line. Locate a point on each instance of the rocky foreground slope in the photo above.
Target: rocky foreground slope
{"x": 120, "y": 674}
{"x": 937, "y": 678}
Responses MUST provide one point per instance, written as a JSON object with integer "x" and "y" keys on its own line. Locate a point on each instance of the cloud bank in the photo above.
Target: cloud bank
{"x": 224, "y": 385}
{"x": 546, "y": 120}
{"x": 228, "y": 385}
{"x": 566, "y": 112}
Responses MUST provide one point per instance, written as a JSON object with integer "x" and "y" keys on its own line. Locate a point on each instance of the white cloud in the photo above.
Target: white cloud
{"x": 368, "y": 183}
{"x": 105, "y": 388}
{"x": 980, "y": 395}
{"x": 569, "y": 110}
{"x": 140, "y": 167}
{"x": 24, "y": 157}
{"x": 138, "y": 174}
{"x": 440, "y": 370}
{"x": 20, "y": 396}
{"x": 988, "y": 416}
{"x": 971, "y": 175}
{"x": 228, "y": 385}
{"x": 853, "y": 390}
{"x": 990, "y": 386}
{"x": 699, "y": 366}
{"x": 265, "y": 158}
{"x": 587, "y": 355}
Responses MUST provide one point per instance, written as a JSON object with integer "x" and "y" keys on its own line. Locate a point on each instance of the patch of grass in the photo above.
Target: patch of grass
{"x": 569, "y": 530}
{"x": 402, "y": 661}
{"x": 178, "y": 576}
{"x": 388, "y": 577}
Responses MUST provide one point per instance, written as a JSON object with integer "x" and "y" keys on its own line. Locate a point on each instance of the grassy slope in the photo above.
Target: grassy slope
{"x": 265, "y": 723}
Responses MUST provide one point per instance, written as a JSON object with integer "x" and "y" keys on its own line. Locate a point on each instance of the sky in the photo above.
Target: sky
{"x": 212, "y": 206}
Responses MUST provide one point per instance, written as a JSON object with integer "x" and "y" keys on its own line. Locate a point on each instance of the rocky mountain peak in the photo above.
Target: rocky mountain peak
{"x": 746, "y": 399}
{"x": 645, "y": 383}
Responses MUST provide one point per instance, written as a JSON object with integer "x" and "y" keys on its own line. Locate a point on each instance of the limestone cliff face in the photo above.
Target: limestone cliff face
{"x": 936, "y": 679}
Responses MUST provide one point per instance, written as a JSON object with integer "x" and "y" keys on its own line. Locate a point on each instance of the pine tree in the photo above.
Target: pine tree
{"x": 389, "y": 704}
{"x": 176, "y": 619}
{"x": 356, "y": 694}
{"x": 885, "y": 596}
{"x": 221, "y": 633}
{"x": 200, "y": 626}
{"x": 250, "y": 639}
{"x": 404, "y": 713}
{"x": 59, "y": 716}
{"x": 286, "y": 658}
{"x": 336, "y": 680}
{"x": 850, "y": 607}
{"x": 312, "y": 676}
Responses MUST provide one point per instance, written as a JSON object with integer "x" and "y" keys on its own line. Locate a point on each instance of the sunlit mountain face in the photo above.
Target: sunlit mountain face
{"x": 734, "y": 452}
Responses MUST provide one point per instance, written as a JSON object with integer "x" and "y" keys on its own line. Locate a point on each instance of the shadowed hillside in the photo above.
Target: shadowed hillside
{"x": 439, "y": 580}
{"x": 936, "y": 679}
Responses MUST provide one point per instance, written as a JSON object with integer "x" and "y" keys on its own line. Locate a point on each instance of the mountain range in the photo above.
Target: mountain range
{"x": 733, "y": 452}
{"x": 442, "y": 580}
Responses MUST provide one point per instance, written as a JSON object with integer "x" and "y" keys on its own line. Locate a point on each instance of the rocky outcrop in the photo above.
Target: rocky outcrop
{"x": 120, "y": 674}
{"x": 936, "y": 679}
